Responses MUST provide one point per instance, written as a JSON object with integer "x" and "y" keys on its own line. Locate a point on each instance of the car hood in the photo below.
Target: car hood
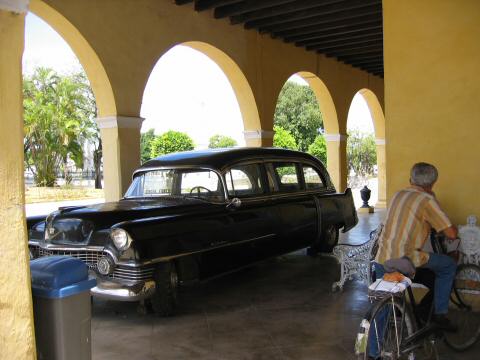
{"x": 78, "y": 225}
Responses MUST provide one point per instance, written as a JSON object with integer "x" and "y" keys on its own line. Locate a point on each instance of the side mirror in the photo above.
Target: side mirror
{"x": 235, "y": 203}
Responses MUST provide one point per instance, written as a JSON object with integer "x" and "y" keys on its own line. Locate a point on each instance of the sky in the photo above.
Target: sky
{"x": 186, "y": 90}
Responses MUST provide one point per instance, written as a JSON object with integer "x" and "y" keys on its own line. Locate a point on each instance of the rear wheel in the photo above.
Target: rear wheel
{"x": 464, "y": 310}
{"x": 384, "y": 332}
{"x": 164, "y": 300}
{"x": 330, "y": 235}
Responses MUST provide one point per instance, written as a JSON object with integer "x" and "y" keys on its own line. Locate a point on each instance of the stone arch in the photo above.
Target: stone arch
{"x": 90, "y": 61}
{"x": 240, "y": 86}
{"x": 378, "y": 118}
{"x": 336, "y": 146}
{"x": 325, "y": 101}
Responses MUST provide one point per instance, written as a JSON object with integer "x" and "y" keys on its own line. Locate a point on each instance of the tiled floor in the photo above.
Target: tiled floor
{"x": 280, "y": 309}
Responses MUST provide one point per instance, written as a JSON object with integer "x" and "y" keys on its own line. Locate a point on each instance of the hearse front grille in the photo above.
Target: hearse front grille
{"x": 91, "y": 257}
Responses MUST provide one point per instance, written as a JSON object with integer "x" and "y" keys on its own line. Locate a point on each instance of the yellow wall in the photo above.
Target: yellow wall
{"x": 16, "y": 317}
{"x": 432, "y": 92}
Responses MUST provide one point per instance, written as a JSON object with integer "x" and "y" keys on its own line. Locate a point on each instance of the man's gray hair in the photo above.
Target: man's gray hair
{"x": 423, "y": 174}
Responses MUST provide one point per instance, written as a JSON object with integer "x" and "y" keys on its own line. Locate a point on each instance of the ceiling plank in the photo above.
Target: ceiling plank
{"x": 247, "y": 6}
{"x": 345, "y": 24}
{"x": 375, "y": 49}
{"x": 332, "y": 35}
{"x": 374, "y": 12}
{"x": 378, "y": 36}
{"x": 293, "y": 14}
{"x": 182, "y": 2}
{"x": 346, "y": 46}
{"x": 201, "y": 5}
{"x": 283, "y": 9}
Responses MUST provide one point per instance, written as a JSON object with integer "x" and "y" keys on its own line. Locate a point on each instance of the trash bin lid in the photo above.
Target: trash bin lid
{"x": 59, "y": 276}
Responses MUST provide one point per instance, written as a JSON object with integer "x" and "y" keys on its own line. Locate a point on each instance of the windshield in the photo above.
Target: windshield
{"x": 196, "y": 183}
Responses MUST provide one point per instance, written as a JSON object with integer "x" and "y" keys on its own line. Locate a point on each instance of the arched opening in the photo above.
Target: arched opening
{"x": 366, "y": 147}
{"x": 198, "y": 90}
{"x": 65, "y": 75}
{"x": 306, "y": 109}
{"x": 86, "y": 55}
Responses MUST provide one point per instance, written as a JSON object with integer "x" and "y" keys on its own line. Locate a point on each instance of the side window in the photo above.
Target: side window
{"x": 286, "y": 176}
{"x": 244, "y": 181}
{"x": 312, "y": 178}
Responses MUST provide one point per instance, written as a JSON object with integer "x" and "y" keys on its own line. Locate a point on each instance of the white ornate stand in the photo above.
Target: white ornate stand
{"x": 355, "y": 260}
{"x": 470, "y": 241}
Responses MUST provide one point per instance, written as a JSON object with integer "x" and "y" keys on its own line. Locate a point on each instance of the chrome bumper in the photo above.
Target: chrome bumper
{"x": 115, "y": 291}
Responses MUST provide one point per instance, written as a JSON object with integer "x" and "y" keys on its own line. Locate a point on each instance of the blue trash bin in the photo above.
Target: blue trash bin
{"x": 62, "y": 308}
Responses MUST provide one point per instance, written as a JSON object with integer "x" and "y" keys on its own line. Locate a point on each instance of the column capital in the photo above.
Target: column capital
{"x": 16, "y": 6}
{"x": 335, "y": 137}
{"x": 258, "y": 134}
{"x": 380, "y": 141}
{"x": 119, "y": 122}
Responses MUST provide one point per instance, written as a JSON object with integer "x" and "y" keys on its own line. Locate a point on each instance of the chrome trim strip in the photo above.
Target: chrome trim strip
{"x": 167, "y": 258}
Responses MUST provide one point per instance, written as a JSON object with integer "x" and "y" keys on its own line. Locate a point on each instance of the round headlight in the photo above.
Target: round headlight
{"x": 120, "y": 239}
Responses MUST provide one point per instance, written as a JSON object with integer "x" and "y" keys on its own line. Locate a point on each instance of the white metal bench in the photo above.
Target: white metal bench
{"x": 356, "y": 260}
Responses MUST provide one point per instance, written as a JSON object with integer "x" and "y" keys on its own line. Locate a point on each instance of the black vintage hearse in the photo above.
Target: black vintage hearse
{"x": 192, "y": 215}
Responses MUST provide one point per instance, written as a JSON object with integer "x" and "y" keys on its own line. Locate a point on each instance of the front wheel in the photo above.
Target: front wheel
{"x": 164, "y": 300}
{"x": 464, "y": 309}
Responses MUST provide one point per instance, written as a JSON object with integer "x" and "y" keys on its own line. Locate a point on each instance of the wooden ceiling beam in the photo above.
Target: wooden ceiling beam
{"x": 364, "y": 50}
{"x": 346, "y": 45}
{"x": 284, "y": 9}
{"x": 182, "y": 2}
{"x": 337, "y": 27}
{"x": 344, "y": 17}
{"x": 247, "y": 6}
{"x": 256, "y": 20}
{"x": 342, "y": 33}
{"x": 342, "y": 40}
{"x": 201, "y": 5}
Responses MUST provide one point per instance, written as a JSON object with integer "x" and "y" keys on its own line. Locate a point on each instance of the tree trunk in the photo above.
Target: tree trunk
{"x": 97, "y": 160}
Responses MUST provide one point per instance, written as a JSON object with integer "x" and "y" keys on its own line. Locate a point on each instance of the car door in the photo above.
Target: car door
{"x": 250, "y": 223}
{"x": 297, "y": 216}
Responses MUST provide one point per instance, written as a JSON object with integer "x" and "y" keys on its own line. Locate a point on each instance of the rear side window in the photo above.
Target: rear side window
{"x": 312, "y": 178}
{"x": 244, "y": 181}
{"x": 286, "y": 176}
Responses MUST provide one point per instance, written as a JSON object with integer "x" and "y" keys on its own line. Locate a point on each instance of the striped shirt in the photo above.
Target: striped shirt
{"x": 410, "y": 217}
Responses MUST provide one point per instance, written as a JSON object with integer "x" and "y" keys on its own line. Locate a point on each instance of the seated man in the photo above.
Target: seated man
{"x": 411, "y": 215}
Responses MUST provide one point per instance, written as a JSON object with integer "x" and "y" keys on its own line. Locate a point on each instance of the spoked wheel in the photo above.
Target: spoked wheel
{"x": 164, "y": 300}
{"x": 464, "y": 309}
{"x": 389, "y": 325}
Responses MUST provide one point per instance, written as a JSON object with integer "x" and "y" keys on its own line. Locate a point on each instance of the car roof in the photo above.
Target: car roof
{"x": 219, "y": 158}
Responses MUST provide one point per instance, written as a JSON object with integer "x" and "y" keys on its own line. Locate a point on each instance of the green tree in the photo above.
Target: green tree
{"x": 298, "y": 112}
{"x": 283, "y": 139}
{"x": 221, "y": 141}
{"x": 59, "y": 118}
{"x": 146, "y": 140}
{"x": 319, "y": 148}
{"x": 169, "y": 142}
{"x": 361, "y": 153}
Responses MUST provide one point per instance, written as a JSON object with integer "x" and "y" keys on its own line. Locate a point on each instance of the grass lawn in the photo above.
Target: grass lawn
{"x": 45, "y": 194}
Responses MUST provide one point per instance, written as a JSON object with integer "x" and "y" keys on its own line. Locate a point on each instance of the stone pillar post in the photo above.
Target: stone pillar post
{"x": 382, "y": 174}
{"x": 337, "y": 160}
{"x": 258, "y": 138}
{"x": 17, "y": 335}
{"x": 121, "y": 152}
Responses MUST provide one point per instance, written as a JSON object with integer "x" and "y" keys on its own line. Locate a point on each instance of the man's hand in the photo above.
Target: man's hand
{"x": 451, "y": 232}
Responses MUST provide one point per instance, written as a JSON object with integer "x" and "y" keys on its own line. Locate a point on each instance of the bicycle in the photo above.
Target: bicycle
{"x": 401, "y": 330}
